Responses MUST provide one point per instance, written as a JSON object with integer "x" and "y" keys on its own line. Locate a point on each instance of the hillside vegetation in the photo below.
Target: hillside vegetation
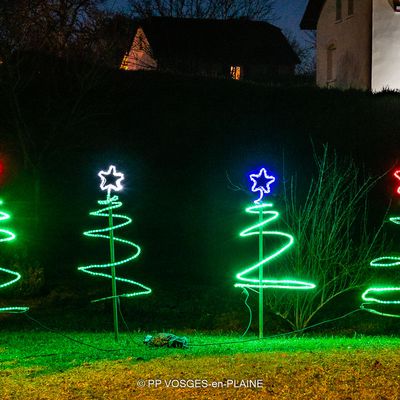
{"x": 182, "y": 142}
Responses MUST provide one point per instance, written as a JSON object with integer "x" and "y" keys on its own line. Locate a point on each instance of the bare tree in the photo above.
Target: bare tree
{"x": 334, "y": 245}
{"x": 305, "y": 50}
{"x": 54, "y": 26}
{"x": 32, "y": 32}
{"x": 219, "y": 9}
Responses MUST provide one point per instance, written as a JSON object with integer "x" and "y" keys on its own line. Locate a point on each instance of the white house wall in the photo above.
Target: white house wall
{"x": 351, "y": 37}
{"x": 385, "y": 46}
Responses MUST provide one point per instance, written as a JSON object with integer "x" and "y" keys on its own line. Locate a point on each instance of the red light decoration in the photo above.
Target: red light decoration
{"x": 397, "y": 175}
{"x": 2, "y": 171}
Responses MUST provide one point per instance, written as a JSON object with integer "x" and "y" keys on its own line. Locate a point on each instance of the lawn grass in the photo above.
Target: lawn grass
{"x": 53, "y": 352}
{"x": 46, "y": 365}
{"x": 190, "y": 132}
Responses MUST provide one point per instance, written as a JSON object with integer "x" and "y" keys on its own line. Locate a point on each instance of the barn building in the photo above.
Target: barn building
{"x": 235, "y": 48}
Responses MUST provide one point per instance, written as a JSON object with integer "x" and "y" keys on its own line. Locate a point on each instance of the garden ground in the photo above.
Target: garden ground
{"x": 38, "y": 365}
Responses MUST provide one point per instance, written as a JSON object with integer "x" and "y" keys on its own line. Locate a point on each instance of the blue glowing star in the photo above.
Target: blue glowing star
{"x": 261, "y": 183}
{"x": 116, "y": 184}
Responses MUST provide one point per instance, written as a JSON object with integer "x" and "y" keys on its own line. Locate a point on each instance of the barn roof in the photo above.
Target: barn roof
{"x": 236, "y": 41}
{"x": 311, "y": 14}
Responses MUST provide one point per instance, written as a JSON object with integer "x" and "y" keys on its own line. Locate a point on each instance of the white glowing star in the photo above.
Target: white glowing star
{"x": 261, "y": 183}
{"x": 113, "y": 174}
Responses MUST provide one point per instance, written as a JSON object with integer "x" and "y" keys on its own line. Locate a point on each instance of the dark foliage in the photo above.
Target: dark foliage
{"x": 175, "y": 137}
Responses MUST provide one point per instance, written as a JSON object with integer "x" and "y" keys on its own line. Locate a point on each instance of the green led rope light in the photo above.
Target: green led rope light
{"x": 111, "y": 181}
{"x": 8, "y": 235}
{"x": 256, "y": 229}
{"x": 261, "y": 183}
{"x": 112, "y": 203}
{"x": 369, "y": 296}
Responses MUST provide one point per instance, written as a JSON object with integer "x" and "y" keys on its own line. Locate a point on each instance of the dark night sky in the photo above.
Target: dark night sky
{"x": 288, "y": 11}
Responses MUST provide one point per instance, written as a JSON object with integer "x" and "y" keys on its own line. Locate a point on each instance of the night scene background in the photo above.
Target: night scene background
{"x": 186, "y": 141}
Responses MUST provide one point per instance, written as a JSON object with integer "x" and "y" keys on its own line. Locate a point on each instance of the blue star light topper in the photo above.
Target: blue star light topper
{"x": 113, "y": 176}
{"x": 261, "y": 183}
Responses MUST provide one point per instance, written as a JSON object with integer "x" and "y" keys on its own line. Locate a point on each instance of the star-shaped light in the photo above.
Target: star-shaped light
{"x": 397, "y": 175}
{"x": 107, "y": 176}
{"x": 261, "y": 183}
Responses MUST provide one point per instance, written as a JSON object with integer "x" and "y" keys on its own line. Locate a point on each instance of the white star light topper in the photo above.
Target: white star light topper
{"x": 261, "y": 183}
{"x": 113, "y": 176}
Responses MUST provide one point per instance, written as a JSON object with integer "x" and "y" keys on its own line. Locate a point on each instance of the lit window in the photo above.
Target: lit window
{"x": 338, "y": 10}
{"x": 350, "y": 7}
{"x": 236, "y": 72}
{"x": 124, "y": 64}
{"x": 330, "y": 65}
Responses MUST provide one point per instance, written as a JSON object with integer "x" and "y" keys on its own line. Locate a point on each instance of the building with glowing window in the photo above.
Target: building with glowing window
{"x": 236, "y": 48}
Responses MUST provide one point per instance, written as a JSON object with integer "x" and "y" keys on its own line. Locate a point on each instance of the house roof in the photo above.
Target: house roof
{"x": 235, "y": 41}
{"x": 311, "y": 14}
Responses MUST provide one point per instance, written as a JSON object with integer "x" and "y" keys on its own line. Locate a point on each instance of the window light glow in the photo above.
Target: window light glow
{"x": 124, "y": 63}
{"x": 6, "y": 236}
{"x": 236, "y": 72}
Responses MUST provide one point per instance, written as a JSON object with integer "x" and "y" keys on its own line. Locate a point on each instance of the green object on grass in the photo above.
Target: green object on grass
{"x": 166, "y": 340}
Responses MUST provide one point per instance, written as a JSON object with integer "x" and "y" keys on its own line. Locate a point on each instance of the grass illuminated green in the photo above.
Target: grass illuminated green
{"x": 52, "y": 352}
{"x": 48, "y": 366}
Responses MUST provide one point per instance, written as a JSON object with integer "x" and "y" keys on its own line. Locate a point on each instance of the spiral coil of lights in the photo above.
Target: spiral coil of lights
{"x": 370, "y": 296}
{"x": 112, "y": 203}
{"x": 255, "y": 230}
{"x": 15, "y": 276}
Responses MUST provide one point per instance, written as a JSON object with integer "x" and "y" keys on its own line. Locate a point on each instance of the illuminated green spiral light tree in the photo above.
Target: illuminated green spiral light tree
{"x": 377, "y": 297}
{"x": 111, "y": 181}
{"x": 253, "y": 277}
{"x": 13, "y": 277}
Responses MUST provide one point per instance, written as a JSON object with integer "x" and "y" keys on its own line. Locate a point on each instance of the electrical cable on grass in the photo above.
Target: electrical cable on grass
{"x": 202, "y": 344}
{"x": 247, "y": 294}
{"x": 245, "y": 291}
{"x": 68, "y": 337}
{"x": 278, "y": 335}
{"x": 125, "y": 323}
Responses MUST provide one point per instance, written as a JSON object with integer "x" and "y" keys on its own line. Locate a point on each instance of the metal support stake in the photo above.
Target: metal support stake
{"x": 113, "y": 280}
{"x": 260, "y": 278}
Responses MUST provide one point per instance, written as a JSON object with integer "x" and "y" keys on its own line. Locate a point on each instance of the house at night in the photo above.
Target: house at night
{"x": 236, "y": 48}
{"x": 357, "y": 42}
